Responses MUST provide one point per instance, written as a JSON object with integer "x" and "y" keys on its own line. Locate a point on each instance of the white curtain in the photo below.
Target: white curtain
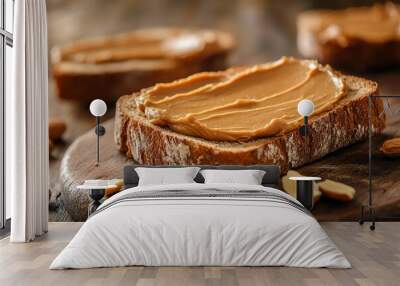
{"x": 27, "y": 124}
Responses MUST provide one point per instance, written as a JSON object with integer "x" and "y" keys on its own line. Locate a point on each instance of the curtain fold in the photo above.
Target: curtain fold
{"x": 27, "y": 124}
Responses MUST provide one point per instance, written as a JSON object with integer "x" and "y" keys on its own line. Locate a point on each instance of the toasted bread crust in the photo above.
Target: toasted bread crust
{"x": 345, "y": 124}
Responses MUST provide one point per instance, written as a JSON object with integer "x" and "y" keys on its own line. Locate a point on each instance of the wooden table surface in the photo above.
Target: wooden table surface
{"x": 265, "y": 30}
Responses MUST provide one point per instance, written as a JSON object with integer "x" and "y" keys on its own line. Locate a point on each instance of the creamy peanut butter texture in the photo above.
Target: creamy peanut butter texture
{"x": 150, "y": 44}
{"x": 242, "y": 103}
{"x": 379, "y": 23}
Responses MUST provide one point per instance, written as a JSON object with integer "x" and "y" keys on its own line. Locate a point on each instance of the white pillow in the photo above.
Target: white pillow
{"x": 165, "y": 176}
{"x": 248, "y": 177}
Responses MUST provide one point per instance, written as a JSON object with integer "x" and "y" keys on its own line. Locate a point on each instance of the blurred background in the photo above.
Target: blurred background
{"x": 264, "y": 30}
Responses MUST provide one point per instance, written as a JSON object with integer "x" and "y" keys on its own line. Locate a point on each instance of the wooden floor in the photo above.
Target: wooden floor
{"x": 375, "y": 257}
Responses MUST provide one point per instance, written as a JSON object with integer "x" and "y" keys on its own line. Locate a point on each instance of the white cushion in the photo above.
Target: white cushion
{"x": 166, "y": 176}
{"x": 248, "y": 177}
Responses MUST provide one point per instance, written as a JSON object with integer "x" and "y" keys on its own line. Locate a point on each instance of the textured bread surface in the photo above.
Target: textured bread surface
{"x": 85, "y": 81}
{"x": 356, "y": 54}
{"x": 346, "y": 123}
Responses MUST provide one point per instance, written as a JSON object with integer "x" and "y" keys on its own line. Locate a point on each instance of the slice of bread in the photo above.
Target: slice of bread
{"x": 344, "y": 124}
{"x": 321, "y": 34}
{"x": 289, "y": 186}
{"x": 108, "y": 67}
{"x": 337, "y": 191}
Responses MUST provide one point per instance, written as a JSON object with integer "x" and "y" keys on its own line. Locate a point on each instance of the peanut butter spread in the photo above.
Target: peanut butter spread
{"x": 147, "y": 44}
{"x": 242, "y": 103}
{"x": 376, "y": 24}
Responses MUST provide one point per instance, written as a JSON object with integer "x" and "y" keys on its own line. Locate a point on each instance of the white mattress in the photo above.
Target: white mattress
{"x": 200, "y": 231}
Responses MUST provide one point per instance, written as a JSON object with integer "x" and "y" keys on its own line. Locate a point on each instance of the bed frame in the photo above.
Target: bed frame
{"x": 271, "y": 177}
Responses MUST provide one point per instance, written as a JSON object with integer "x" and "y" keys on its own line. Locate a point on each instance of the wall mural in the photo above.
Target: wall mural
{"x": 216, "y": 83}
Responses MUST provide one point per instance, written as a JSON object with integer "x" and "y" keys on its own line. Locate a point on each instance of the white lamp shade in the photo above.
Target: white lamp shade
{"x": 98, "y": 107}
{"x": 305, "y": 107}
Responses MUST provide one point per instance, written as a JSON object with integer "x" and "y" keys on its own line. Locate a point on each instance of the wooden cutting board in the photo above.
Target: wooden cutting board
{"x": 348, "y": 165}
{"x": 79, "y": 164}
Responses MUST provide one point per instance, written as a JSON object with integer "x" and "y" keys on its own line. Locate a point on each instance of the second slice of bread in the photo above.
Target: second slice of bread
{"x": 356, "y": 54}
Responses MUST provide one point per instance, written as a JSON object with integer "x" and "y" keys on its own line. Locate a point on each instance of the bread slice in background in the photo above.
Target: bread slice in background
{"x": 346, "y": 123}
{"x": 106, "y": 67}
{"x": 320, "y": 35}
{"x": 337, "y": 191}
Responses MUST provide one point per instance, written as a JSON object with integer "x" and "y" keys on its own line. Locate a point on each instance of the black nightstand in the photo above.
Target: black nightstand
{"x": 96, "y": 194}
{"x": 304, "y": 190}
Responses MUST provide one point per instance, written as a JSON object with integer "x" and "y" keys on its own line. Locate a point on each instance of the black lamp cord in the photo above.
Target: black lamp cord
{"x": 306, "y": 137}
{"x": 98, "y": 139}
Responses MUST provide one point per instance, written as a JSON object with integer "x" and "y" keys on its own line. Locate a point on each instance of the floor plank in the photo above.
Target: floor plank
{"x": 375, "y": 257}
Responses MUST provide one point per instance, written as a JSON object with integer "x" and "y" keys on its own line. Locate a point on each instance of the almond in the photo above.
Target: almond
{"x": 391, "y": 147}
{"x": 118, "y": 184}
{"x": 337, "y": 191}
{"x": 51, "y": 146}
{"x": 57, "y": 127}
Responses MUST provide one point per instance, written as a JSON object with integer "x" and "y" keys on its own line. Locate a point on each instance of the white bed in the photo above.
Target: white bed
{"x": 246, "y": 225}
